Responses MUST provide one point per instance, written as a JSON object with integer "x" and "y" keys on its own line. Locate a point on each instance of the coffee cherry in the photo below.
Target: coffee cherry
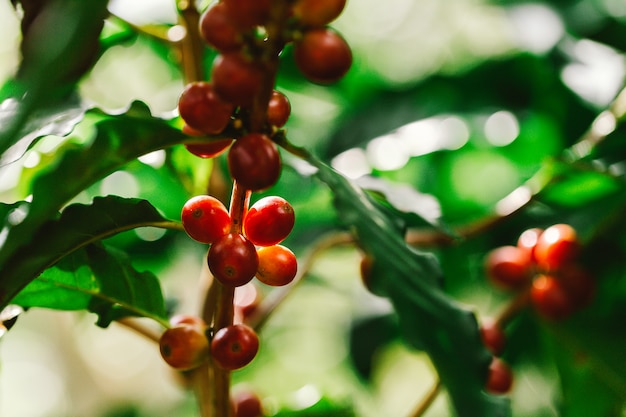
{"x": 317, "y": 12}
{"x": 210, "y": 149}
{"x": 201, "y": 108}
{"x": 508, "y": 267}
{"x": 233, "y": 260}
{"x": 184, "y": 346}
{"x": 277, "y": 265}
{"x": 218, "y": 30}
{"x": 248, "y": 13}
{"x": 492, "y": 336}
{"x": 233, "y": 347}
{"x": 247, "y": 404}
{"x": 528, "y": 241}
{"x": 557, "y": 246}
{"x": 236, "y": 79}
{"x": 499, "y": 377}
{"x": 254, "y": 162}
{"x": 269, "y": 221}
{"x": 322, "y": 55}
{"x": 278, "y": 109}
{"x": 365, "y": 269}
{"x": 205, "y": 218}
{"x": 550, "y": 299}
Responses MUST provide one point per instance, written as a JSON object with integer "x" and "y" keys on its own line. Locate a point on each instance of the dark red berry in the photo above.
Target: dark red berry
{"x": 557, "y": 247}
{"x": 205, "y": 218}
{"x": 254, "y": 162}
{"x": 317, "y": 12}
{"x": 201, "y": 108}
{"x": 278, "y": 109}
{"x": 508, "y": 267}
{"x": 218, "y": 30}
{"x": 528, "y": 241}
{"x": 209, "y": 149}
{"x": 322, "y": 55}
{"x": 277, "y": 265}
{"x": 235, "y": 79}
{"x": 492, "y": 336}
{"x": 233, "y": 260}
{"x": 550, "y": 299}
{"x": 247, "y": 404}
{"x": 184, "y": 346}
{"x": 269, "y": 221}
{"x": 499, "y": 377}
{"x": 235, "y": 346}
{"x": 248, "y": 13}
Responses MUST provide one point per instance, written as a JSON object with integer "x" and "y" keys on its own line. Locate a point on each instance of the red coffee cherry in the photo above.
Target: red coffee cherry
{"x": 278, "y": 109}
{"x": 184, "y": 346}
{"x": 248, "y": 13}
{"x": 557, "y": 246}
{"x": 233, "y": 260}
{"x": 218, "y": 30}
{"x": 254, "y": 162}
{"x": 317, "y": 12}
{"x": 205, "y": 218}
{"x": 201, "y": 108}
{"x": 269, "y": 221}
{"x": 499, "y": 377}
{"x": 322, "y": 55}
{"x": 528, "y": 241}
{"x": 247, "y": 404}
{"x": 235, "y": 79}
{"x": 277, "y": 265}
{"x": 233, "y": 347}
{"x": 492, "y": 336}
{"x": 550, "y": 299}
{"x": 508, "y": 267}
{"x": 209, "y": 149}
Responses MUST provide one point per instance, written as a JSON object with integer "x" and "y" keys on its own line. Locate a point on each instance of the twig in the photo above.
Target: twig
{"x": 140, "y": 328}
{"x": 427, "y": 400}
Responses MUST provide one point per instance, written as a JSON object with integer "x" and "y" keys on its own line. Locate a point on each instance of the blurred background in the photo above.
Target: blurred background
{"x": 454, "y": 104}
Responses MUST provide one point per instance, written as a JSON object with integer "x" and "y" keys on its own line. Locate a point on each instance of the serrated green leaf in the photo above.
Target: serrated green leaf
{"x": 78, "y": 226}
{"x": 429, "y": 319}
{"x": 101, "y": 280}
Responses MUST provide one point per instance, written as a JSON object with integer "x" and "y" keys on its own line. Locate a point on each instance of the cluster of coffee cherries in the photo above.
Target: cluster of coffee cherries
{"x": 546, "y": 264}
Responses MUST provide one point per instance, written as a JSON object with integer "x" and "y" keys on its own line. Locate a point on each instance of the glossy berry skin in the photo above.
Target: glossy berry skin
{"x": 248, "y": 13}
{"x": 210, "y": 149}
{"x": 508, "y": 267}
{"x": 269, "y": 221}
{"x": 278, "y": 109}
{"x": 235, "y": 346}
{"x": 247, "y": 404}
{"x": 277, "y": 265}
{"x": 322, "y": 55}
{"x": 254, "y": 162}
{"x": 492, "y": 336}
{"x": 527, "y": 241}
{"x": 499, "y": 377}
{"x": 201, "y": 108}
{"x": 557, "y": 247}
{"x": 233, "y": 260}
{"x": 317, "y": 12}
{"x": 218, "y": 30}
{"x": 205, "y": 218}
{"x": 235, "y": 79}
{"x": 550, "y": 299}
{"x": 184, "y": 346}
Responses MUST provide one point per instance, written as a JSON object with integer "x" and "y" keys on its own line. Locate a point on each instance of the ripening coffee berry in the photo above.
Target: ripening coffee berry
{"x": 184, "y": 346}
{"x": 508, "y": 267}
{"x": 278, "y": 109}
{"x": 527, "y": 241}
{"x": 269, "y": 221}
{"x": 317, "y": 12}
{"x": 492, "y": 336}
{"x": 557, "y": 246}
{"x": 277, "y": 265}
{"x": 218, "y": 30}
{"x": 247, "y": 404}
{"x": 235, "y": 346}
{"x": 235, "y": 79}
{"x": 322, "y": 55}
{"x": 233, "y": 260}
{"x": 254, "y": 162}
{"x": 550, "y": 299}
{"x": 499, "y": 377}
{"x": 205, "y": 218}
{"x": 201, "y": 108}
{"x": 209, "y": 149}
{"x": 248, "y": 13}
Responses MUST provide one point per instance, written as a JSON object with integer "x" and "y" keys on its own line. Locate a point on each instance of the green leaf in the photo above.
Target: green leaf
{"x": 428, "y": 318}
{"x": 101, "y": 280}
{"x": 78, "y": 226}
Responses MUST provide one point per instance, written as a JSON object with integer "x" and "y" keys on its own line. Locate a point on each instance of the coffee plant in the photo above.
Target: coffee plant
{"x": 313, "y": 208}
